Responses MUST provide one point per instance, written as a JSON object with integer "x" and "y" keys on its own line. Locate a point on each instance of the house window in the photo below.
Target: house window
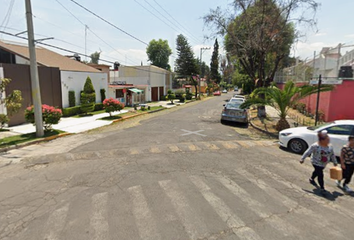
{"x": 6, "y": 57}
{"x": 119, "y": 93}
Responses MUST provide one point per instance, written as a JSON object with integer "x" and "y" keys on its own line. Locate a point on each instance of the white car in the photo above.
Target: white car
{"x": 224, "y": 91}
{"x": 236, "y": 99}
{"x": 299, "y": 139}
{"x": 239, "y": 96}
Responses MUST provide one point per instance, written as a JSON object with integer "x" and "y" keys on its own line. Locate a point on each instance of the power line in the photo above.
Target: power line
{"x": 106, "y": 21}
{"x": 7, "y": 17}
{"x": 175, "y": 20}
{"x": 87, "y": 27}
{"x": 75, "y": 52}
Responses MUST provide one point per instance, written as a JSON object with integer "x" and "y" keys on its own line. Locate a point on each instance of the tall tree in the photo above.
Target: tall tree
{"x": 159, "y": 52}
{"x": 261, "y": 34}
{"x": 186, "y": 63}
{"x": 214, "y": 64}
{"x": 95, "y": 57}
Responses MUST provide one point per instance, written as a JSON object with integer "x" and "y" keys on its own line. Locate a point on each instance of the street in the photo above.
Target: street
{"x": 176, "y": 174}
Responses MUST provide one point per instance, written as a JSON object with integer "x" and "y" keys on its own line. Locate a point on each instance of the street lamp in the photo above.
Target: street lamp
{"x": 202, "y": 49}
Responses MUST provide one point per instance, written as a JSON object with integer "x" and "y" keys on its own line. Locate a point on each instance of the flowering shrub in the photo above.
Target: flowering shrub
{"x": 112, "y": 105}
{"x": 51, "y": 115}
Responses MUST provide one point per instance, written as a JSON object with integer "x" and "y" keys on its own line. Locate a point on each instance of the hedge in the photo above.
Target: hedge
{"x": 99, "y": 106}
{"x": 71, "y": 111}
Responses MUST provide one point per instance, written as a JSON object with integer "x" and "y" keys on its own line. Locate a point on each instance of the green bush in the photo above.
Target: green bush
{"x": 51, "y": 115}
{"x": 182, "y": 98}
{"x": 72, "y": 99}
{"x": 98, "y": 106}
{"x": 112, "y": 105}
{"x": 87, "y": 107}
{"x": 71, "y": 111}
{"x": 171, "y": 96}
{"x": 88, "y": 97}
{"x": 301, "y": 107}
{"x": 3, "y": 120}
{"x": 179, "y": 93}
{"x": 103, "y": 94}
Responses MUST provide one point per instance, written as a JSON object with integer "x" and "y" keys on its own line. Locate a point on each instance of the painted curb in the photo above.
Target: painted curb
{"x": 47, "y": 139}
{"x": 263, "y": 131}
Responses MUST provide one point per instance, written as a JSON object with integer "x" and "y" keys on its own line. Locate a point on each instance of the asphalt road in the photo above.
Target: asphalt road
{"x": 179, "y": 174}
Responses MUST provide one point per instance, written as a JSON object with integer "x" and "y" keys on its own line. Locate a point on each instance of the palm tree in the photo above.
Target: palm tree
{"x": 282, "y": 99}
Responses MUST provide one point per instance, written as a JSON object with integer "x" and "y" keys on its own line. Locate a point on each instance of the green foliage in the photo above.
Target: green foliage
{"x": 103, "y": 94}
{"x": 214, "y": 64}
{"x": 182, "y": 98}
{"x": 171, "y": 96}
{"x": 179, "y": 93}
{"x": 301, "y": 107}
{"x": 99, "y": 106}
{"x": 51, "y": 115}
{"x": 158, "y": 52}
{"x": 13, "y": 101}
{"x": 186, "y": 63}
{"x": 72, "y": 99}
{"x": 282, "y": 100}
{"x": 88, "y": 97}
{"x": 71, "y": 111}
{"x": 95, "y": 57}
{"x": 4, "y": 119}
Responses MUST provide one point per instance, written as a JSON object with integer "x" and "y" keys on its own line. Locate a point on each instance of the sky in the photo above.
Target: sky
{"x": 140, "y": 19}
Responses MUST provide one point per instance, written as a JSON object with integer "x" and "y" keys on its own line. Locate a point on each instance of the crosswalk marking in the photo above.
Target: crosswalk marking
{"x": 229, "y": 145}
{"x": 211, "y": 146}
{"x": 194, "y": 226}
{"x": 56, "y": 223}
{"x": 174, "y": 148}
{"x": 287, "y": 202}
{"x": 278, "y": 178}
{"x": 246, "y": 144}
{"x": 155, "y": 150}
{"x": 143, "y": 216}
{"x": 98, "y": 219}
{"x": 225, "y": 213}
{"x": 134, "y": 152}
{"x": 257, "y": 207}
{"x": 193, "y": 147}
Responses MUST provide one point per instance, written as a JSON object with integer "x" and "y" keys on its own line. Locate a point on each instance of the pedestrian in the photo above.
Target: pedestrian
{"x": 347, "y": 162}
{"x": 322, "y": 154}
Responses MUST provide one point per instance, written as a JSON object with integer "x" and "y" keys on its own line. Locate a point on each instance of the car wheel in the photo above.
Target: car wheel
{"x": 298, "y": 146}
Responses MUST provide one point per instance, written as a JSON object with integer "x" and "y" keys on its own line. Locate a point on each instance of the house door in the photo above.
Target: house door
{"x": 161, "y": 92}
{"x": 154, "y": 94}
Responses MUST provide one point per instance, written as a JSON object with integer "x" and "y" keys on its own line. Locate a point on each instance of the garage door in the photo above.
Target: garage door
{"x": 154, "y": 94}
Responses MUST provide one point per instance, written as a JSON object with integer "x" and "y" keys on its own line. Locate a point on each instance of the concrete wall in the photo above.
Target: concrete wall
{"x": 75, "y": 81}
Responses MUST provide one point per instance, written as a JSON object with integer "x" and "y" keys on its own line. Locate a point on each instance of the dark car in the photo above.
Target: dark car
{"x": 233, "y": 113}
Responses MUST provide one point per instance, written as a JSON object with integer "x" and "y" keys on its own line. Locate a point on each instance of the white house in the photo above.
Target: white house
{"x": 154, "y": 82}
{"x": 73, "y": 73}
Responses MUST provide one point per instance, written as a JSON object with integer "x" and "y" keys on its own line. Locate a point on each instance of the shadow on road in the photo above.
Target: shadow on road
{"x": 328, "y": 195}
{"x": 235, "y": 124}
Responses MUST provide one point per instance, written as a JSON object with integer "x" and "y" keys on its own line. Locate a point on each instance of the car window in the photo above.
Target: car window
{"x": 340, "y": 129}
{"x": 233, "y": 105}
{"x": 313, "y": 128}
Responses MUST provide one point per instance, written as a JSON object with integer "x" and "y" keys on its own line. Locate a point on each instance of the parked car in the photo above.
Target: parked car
{"x": 299, "y": 139}
{"x": 236, "y": 89}
{"x": 217, "y": 93}
{"x": 239, "y": 96}
{"x": 236, "y": 99}
{"x": 224, "y": 91}
{"x": 233, "y": 113}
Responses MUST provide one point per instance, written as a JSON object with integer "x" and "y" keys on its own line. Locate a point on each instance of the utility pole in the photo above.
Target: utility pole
{"x": 201, "y": 64}
{"x": 318, "y": 98}
{"x": 36, "y": 92}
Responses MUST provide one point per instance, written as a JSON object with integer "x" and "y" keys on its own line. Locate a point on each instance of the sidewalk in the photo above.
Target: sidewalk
{"x": 78, "y": 125}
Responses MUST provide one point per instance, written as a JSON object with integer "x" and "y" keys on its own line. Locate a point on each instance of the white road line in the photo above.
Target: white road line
{"x": 225, "y": 213}
{"x": 98, "y": 219}
{"x": 195, "y": 227}
{"x": 273, "y": 220}
{"x": 56, "y": 223}
{"x": 316, "y": 199}
{"x": 289, "y": 203}
{"x": 143, "y": 216}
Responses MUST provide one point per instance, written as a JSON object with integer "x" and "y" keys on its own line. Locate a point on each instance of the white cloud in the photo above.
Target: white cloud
{"x": 127, "y": 56}
{"x": 349, "y": 36}
{"x": 306, "y": 50}
{"x": 320, "y": 34}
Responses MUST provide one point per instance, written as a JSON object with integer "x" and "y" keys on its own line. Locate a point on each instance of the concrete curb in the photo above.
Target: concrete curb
{"x": 262, "y": 130}
{"x": 137, "y": 115}
{"x": 21, "y": 145}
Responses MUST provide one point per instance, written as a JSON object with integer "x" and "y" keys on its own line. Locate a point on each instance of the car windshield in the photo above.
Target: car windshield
{"x": 236, "y": 100}
{"x": 314, "y": 128}
{"x": 233, "y": 105}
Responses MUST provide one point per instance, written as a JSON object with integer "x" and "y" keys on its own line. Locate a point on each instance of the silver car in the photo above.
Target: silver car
{"x": 233, "y": 113}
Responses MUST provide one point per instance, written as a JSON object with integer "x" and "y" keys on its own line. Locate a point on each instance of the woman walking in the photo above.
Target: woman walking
{"x": 322, "y": 154}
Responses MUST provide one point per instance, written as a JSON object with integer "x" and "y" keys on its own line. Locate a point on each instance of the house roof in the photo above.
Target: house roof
{"x": 48, "y": 58}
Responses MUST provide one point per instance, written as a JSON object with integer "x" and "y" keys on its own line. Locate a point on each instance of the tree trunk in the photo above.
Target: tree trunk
{"x": 282, "y": 124}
